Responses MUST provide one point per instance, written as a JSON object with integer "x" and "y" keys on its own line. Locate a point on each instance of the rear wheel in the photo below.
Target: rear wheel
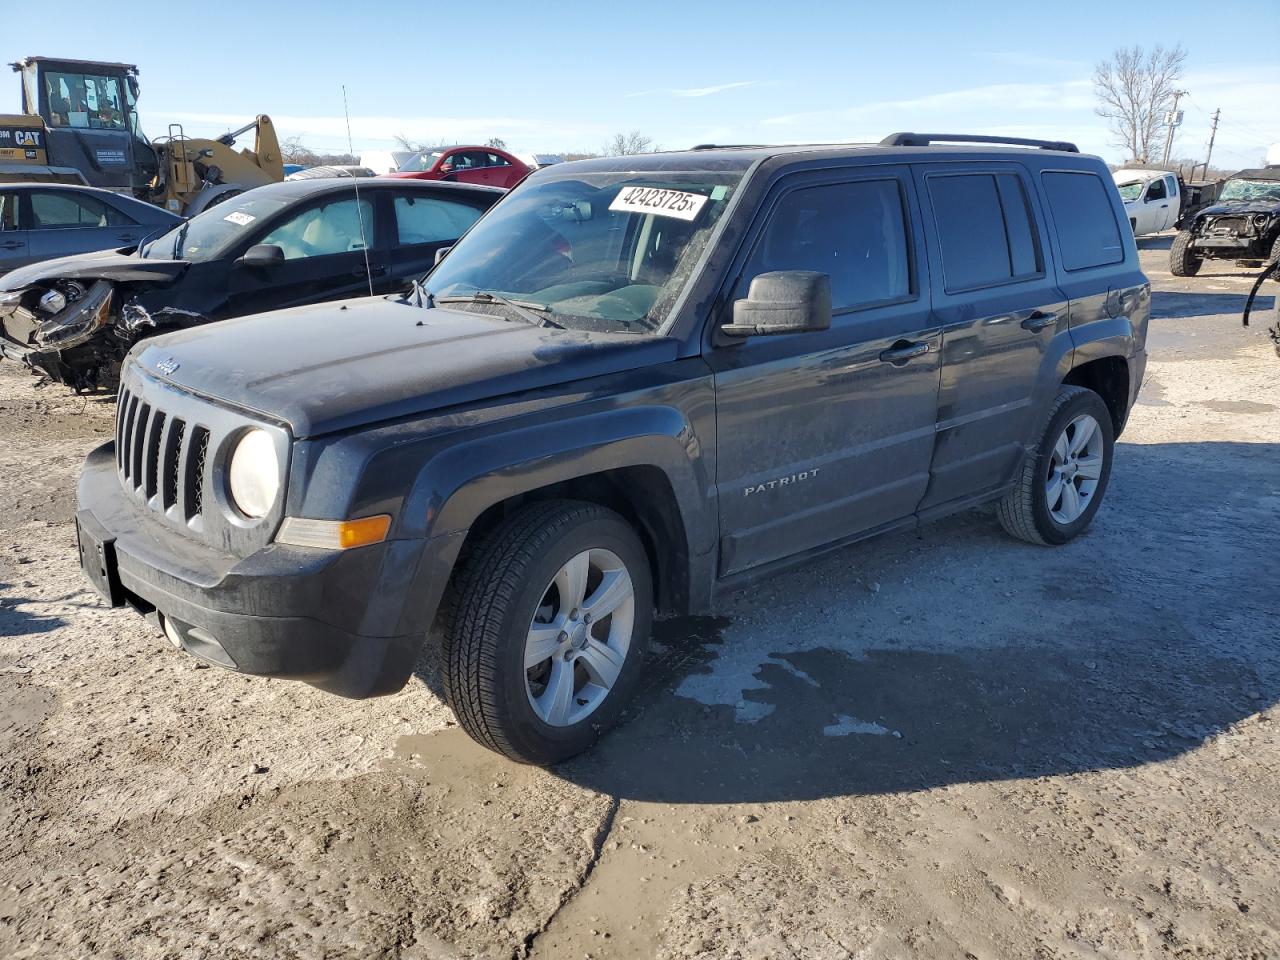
{"x": 548, "y": 629}
{"x": 1062, "y": 485}
{"x": 1183, "y": 261}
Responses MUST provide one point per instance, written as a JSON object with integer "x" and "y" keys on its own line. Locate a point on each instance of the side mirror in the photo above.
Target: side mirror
{"x": 442, "y": 253}
{"x": 446, "y": 168}
{"x": 785, "y": 301}
{"x": 262, "y": 255}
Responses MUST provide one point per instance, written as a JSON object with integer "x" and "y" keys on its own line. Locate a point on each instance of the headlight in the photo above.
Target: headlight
{"x": 255, "y": 474}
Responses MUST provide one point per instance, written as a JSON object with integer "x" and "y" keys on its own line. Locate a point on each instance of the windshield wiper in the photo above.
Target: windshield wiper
{"x": 522, "y": 309}
{"x": 181, "y": 238}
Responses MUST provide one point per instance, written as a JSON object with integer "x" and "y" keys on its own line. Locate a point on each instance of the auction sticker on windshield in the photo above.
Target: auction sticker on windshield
{"x": 241, "y": 219}
{"x": 660, "y": 201}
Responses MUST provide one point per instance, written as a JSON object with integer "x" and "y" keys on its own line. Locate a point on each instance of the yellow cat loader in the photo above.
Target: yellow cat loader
{"x": 80, "y": 125}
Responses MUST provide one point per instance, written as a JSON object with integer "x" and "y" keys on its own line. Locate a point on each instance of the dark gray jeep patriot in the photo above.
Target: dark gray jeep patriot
{"x": 636, "y": 383}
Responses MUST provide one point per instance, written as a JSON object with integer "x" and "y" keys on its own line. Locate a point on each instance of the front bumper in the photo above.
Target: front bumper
{"x": 350, "y": 622}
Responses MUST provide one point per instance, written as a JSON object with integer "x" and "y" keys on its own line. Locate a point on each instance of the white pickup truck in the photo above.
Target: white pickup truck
{"x": 1152, "y": 199}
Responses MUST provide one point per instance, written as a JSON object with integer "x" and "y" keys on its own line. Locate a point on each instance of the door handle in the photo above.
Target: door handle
{"x": 1038, "y": 321}
{"x": 127, "y": 238}
{"x": 371, "y": 272}
{"x": 12, "y": 245}
{"x": 903, "y": 351}
{"x": 1164, "y": 206}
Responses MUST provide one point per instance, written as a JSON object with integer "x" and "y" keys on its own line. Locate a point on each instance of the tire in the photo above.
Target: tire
{"x": 1026, "y": 511}
{"x": 1183, "y": 261}
{"x": 508, "y": 592}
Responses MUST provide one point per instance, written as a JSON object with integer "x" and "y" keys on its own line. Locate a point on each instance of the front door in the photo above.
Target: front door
{"x": 1156, "y": 207}
{"x": 324, "y": 259}
{"x": 999, "y": 311}
{"x": 823, "y": 436}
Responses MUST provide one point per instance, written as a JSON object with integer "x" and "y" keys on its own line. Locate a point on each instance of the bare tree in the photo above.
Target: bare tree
{"x": 293, "y": 151}
{"x": 1135, "y": 90}
{"x": 626, "y": 144}
{"x": 496, "y": 142}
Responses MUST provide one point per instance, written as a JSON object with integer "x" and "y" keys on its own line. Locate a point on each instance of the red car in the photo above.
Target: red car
{"x": 484, "y": 165}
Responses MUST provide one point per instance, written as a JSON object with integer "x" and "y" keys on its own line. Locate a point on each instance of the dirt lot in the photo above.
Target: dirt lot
{"x": 938, "y": 745}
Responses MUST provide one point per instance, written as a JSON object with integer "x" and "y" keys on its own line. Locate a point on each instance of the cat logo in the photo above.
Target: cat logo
{"x": 27, "y": 138}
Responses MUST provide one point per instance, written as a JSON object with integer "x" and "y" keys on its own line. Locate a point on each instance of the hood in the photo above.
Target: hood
{"x": 334, "y": 366}
{"x": 103, "y": 265}
{"x": 1239, "y": 207}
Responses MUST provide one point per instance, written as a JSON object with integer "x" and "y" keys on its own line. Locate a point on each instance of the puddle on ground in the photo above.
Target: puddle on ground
{"x": 1238, "y": 406}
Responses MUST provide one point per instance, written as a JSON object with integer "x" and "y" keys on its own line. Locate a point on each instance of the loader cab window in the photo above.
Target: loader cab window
{"x": 85, "y": 101}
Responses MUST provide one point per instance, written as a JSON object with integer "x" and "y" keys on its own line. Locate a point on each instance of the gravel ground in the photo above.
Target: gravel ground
{"x": 941, "y": 744}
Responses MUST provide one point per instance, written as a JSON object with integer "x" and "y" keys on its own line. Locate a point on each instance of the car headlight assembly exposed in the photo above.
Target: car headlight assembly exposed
{"x": 253, "y": 479}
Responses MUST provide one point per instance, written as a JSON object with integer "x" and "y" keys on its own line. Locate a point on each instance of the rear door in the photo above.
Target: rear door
{"x": 14, "y": 251}
{"x": 63, "y": 222}
{"x": 324, "y": 246}
{"x": 999, "y": 310}
{"x": 425, "y": 223}
{"x": 825, "y": 435}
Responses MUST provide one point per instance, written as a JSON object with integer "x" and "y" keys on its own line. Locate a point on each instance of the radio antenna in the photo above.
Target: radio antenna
{"x": 355, "y": 181}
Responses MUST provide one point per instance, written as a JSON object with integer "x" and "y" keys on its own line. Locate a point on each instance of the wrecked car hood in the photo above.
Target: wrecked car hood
{"x": 335, "y": 366}
{"x": 103, "y": 265}
{"x": 1239, "y": 207}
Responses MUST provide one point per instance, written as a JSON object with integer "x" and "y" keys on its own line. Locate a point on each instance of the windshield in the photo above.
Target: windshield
{"x": 595, "y": 251}
{"x": 1129, "y": 191}
{"x": 208, "y": 235}
{"x": 1238, "y": 189}
{"x": 419, "y": 162}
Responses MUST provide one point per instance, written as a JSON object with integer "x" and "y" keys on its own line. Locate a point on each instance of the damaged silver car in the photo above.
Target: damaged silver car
{"x": 283, "y": 245}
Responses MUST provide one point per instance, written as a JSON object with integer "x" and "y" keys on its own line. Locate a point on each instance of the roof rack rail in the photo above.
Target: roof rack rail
{"x": 927, "y": 139}
{"x": 725, "y": 146}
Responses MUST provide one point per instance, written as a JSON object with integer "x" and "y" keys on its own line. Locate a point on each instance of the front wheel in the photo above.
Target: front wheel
{"x": 1183, "y": 261}
{"x": 1062, "y": 484}
{"x": 547, "y": 630}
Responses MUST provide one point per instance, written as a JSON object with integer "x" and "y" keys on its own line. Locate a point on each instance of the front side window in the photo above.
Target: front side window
{"x": 85, "y": 100}
{"x": 1156, "y": 191}
{"x": 608, "y": 251}
{"x": 428, "y": 220}
{"x": 984, "y": 230}
{"x": 54, "y": 211}
{"x": 342, "y": 226}
{"x": 853, "y": 232}
{"x": 1083, "y": 219}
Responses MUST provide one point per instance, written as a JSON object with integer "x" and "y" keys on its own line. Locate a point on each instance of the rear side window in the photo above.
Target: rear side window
{"x": 428, "y": 220}
{"x": 855, "y": 232}
{"x": 984, "y": 229}
{"x": 1084, "y": 221}
{"x": 60, "y": 210}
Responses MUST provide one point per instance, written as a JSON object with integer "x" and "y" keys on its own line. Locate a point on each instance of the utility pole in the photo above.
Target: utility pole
{"x": 1213, "y": 132}
{"x": 1172, "y": 121}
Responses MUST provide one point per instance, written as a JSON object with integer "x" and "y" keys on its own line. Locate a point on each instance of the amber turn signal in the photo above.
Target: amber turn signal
{"x": 334, "y": 534}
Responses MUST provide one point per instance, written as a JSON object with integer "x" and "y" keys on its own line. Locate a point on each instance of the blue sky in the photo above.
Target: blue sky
{"x": 566, "y": 75}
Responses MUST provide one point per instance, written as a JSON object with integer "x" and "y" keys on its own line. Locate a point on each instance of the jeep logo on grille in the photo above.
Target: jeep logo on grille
{"x": 167, "y": 366}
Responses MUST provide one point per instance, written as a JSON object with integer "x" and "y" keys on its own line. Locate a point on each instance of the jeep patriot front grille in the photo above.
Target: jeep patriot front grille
{"x": 160, "y": 457}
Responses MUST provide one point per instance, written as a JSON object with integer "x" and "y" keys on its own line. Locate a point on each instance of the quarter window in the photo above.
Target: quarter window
{"x": 984, "y": 230}
{"x": 426, "y": 220}
{"x": 342, "y": 226}
{"x": 1083, "y": 219}
{"x": 854, "y": 232}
